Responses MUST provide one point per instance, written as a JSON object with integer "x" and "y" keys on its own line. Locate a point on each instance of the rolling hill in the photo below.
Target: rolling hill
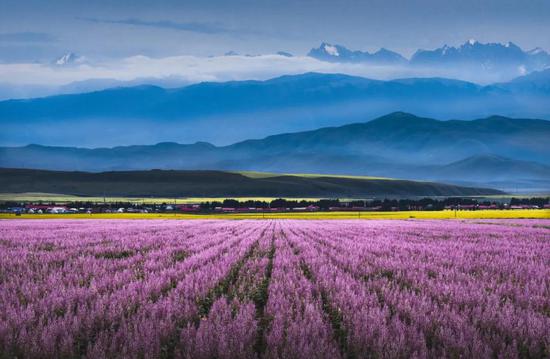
{"x": 160, "y": 183}
{"x": 398, "y": 145}
{"x": 224, "y": 113}
{"x": 491, "y": 168}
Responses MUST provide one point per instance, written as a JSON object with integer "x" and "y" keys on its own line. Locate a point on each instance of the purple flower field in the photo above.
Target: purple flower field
{"x": 274, "y": 289}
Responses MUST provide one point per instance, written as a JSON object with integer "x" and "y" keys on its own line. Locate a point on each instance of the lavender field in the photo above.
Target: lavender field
{"x": 274, "y": 289}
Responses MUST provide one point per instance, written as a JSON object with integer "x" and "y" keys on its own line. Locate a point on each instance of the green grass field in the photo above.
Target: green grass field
{"x": 62, "y": 198}
{"x": 254, "y": 174}
{"x": 165, "y": 184}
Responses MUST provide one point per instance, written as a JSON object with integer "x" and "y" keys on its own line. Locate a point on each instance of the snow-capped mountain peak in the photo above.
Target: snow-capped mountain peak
{"x": 500, "y": 57}
{"x": 69, "y": 58}
{"x": 338, "y": 53}
{"x": 496, "y": 58}
{"x": 331, "y": 50}
{"x": 536, "y": 51}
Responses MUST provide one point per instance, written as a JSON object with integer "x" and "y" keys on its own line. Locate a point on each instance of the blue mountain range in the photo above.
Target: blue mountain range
{"x": 498, "y": 152}
{"x": 224, "y": 113}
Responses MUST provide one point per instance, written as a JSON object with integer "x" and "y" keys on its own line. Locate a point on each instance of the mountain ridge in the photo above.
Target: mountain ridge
{"x": 397, "y": 145}
{"x": 338, "y": 53}
{"x": 229, "y": 112}
{"x": 489, "y": 56}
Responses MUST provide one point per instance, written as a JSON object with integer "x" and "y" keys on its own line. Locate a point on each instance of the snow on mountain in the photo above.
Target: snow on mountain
{"x": 338, "y": 53}
{"x": 539, "y": 58}
{"x": 331, "y": 50}
{"x": 489, "y": 56}
{"x": 535, "y": 51}
{"x": 385, "y": 55}
{"x": 69, "y": 58}
{"x": 472, "y": 55}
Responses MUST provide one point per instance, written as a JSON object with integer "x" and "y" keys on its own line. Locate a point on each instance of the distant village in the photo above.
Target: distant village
{"x": 277, "y": 205}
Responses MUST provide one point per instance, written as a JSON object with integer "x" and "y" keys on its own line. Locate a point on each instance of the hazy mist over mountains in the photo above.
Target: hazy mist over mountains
{"x": 496, "y": 151}
{"x": 305, "y": 122}
{"x": 280, "y": 86}
{"x": 224, "y": 113}
{"x": 473, "y": 61}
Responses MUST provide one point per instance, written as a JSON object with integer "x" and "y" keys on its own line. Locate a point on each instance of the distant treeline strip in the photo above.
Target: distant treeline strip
{"x": 292, "y": 205}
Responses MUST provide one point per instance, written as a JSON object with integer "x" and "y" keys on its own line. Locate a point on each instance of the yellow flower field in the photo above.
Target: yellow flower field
{"x": 483, "y": 214}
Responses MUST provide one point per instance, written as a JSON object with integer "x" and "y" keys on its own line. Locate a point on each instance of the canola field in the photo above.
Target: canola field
{"x": 448, "y": 214}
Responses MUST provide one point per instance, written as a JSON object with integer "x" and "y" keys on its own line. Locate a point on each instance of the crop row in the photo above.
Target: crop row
{"x": 274, "y": 289}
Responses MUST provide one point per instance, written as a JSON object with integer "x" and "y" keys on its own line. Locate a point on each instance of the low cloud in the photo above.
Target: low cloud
{"x": 189, "y": 68}
{"x": 198, "y": 27}
{"x": 13, "y": 37}
{"x": 26, "y": 78}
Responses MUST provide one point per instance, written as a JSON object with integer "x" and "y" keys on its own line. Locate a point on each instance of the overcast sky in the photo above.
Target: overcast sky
{"x": 39, "y": 30}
